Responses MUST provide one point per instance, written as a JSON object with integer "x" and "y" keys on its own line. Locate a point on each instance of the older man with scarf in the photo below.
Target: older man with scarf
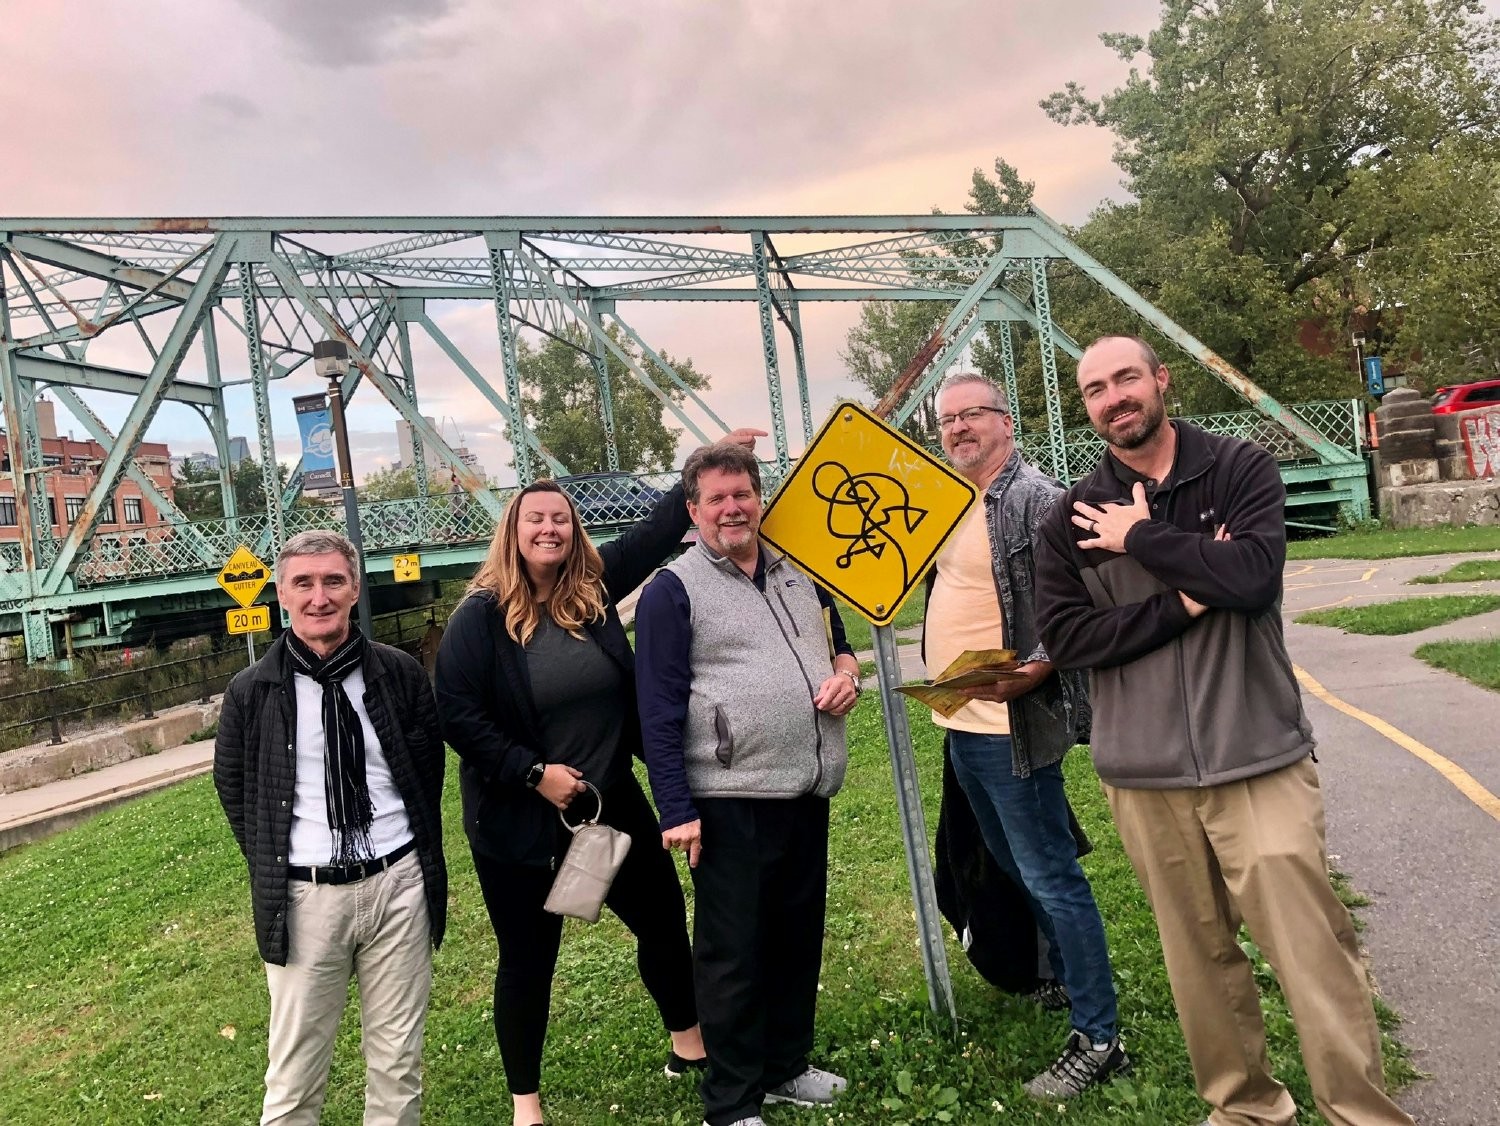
{"x": 330, "y": 769}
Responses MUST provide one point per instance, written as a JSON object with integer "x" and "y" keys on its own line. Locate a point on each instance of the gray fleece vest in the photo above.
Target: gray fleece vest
{"x": 758, "y": 660}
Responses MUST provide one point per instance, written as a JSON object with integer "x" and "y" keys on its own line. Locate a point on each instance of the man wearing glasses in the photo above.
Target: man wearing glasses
{"x": 1006, "y": 746}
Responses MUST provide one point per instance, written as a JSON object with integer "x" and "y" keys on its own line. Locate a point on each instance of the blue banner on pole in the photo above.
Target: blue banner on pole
{"x": 1374, "y": 375}
{"x": 318, "y": 473}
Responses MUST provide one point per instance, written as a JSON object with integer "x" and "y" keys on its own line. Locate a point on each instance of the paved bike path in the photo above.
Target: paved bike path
{"x": 1422, "y": 849}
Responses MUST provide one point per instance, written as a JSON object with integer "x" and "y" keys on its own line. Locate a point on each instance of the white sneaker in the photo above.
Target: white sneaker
{"x": 814, "y": 1087}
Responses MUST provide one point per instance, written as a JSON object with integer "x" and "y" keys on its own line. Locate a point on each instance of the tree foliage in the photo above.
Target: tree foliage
{"x": 389, "y": 483}
{"x": 198, "y": 495}
{"x": 1443, "y": 275}
{"x": 562, "y": 399}
{"x": 889, "y": 333}
{"x": 1288, "y": 166}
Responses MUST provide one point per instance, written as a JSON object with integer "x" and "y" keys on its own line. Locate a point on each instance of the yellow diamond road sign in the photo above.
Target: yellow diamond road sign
{"x": 406, "y": 568}
{"x": 866, "y": 511}
{"x": 243, "y": 576}
{"x": 250, "y": 619}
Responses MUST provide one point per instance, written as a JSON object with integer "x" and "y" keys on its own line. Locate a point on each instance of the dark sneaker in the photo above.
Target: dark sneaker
{"x": 753, "y": 1120}
{"x": 1080, "y": 1066}
{"x": 814, "y": 1087}
{"x": 677, "y": 1066}
{"x": 1052, "y": 996}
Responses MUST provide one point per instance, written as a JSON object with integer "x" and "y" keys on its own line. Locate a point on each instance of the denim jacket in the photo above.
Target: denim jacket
{"x": 1045, "y": 722}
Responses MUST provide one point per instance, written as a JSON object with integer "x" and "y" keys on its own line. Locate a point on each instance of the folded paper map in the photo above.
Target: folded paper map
{"x": 970, "y": 669}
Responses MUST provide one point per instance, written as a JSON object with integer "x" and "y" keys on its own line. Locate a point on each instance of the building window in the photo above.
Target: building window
{"x": 7, "y": 511}
{"x": 73, "y": 507}
{"x": 52, "y": 510}
{"x": 133, "y": 510}
{"x": 52, "y": 459}
{"x": 108, "y": 515}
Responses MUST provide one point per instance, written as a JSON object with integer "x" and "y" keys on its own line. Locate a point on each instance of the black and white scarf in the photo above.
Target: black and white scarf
{"x": 350, "y": 812}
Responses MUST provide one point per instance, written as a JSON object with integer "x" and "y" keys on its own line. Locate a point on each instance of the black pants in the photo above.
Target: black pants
{"x": 645, "y": 896}
{"x": 760, "y": 892}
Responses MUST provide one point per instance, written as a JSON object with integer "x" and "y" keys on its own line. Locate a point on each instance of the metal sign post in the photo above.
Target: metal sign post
{"x": 865, "y": 513}
{"x": 913, "y": 825}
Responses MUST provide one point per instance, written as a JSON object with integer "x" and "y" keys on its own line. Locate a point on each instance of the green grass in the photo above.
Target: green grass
{"x": 1478, "y": 661}
{"x": 1408, "y": 615}
{"x": 127, "y": 959}
{"x": 857, "y": 629}
{"x": 1380, "y": 542}
{"x": 1469, "y": 571}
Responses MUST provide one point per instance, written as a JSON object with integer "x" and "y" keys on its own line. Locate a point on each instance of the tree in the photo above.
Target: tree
{"x": 390, "y": 483}
{"x": 197, "y": 492}
{"x": 1440, "y": 286}
{"x": 561, "y": 396}
{"x": 889, "y": 333}
{"x": 1276, "y": 153}
{"x": 879, "y": 347}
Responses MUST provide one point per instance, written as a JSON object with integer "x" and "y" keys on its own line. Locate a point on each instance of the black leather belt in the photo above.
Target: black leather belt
{"x": 348, "y": 873}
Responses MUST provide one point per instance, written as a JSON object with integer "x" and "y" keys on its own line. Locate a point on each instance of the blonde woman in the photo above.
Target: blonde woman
{"x": 536, "y": 693}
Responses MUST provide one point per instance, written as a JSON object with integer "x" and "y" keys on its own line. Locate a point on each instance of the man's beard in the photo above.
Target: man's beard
{"x": 1152, "y": 414}
{"x": 968, "y": 456}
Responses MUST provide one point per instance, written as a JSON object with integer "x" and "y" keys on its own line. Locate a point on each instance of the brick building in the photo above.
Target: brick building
{"x": 69, "y": 469}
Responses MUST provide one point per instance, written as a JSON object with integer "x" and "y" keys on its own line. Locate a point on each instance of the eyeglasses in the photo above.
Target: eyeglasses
{"x": 970, "y": 416}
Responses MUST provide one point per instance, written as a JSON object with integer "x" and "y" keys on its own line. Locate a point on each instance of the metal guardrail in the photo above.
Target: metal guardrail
{"x": 604, "y": 500}
{"x": 1340, "y": 420}
{"x": 51, "y": 712}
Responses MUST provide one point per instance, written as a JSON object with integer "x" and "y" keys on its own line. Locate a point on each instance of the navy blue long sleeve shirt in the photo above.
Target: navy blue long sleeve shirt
{"x": 664, "y": 681}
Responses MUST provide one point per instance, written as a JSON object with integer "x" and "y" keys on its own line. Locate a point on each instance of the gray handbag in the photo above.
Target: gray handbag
{"x": 583, "y": 878}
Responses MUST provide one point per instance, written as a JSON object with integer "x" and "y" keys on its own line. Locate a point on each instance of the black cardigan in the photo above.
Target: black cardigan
{"x": 255, "y": 769}
{"x": 488, "y": 713}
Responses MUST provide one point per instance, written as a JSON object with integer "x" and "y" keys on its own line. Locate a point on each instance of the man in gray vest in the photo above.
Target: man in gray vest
{"x": 744, "y": 678}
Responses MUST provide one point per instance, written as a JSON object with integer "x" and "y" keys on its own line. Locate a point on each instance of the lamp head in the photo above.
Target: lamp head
{"x": 331, "y": 359}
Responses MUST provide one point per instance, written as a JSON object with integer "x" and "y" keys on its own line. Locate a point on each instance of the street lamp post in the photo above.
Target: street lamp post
{"x": 331, "y": 360}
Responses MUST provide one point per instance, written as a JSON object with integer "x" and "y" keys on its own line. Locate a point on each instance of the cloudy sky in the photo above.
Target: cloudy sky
{"x": 573, "y": 107}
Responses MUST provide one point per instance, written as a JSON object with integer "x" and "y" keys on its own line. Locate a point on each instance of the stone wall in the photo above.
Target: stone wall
{"x": 25, "y": 767}
{"x": 1422, "y": 471}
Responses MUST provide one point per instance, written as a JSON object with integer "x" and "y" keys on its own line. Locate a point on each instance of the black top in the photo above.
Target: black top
{"x": 579, "y": 694}
{"x": 488, "y": 709}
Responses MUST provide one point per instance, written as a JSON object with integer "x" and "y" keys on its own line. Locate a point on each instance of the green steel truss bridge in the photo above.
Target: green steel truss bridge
{"x": 207, "y": 304}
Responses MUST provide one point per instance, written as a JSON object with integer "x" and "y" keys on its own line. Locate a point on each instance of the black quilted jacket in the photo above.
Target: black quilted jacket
{"x": 255, "y": 762}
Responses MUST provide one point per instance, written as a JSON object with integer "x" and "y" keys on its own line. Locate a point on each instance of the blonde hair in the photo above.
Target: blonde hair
{"x": 578, "y": 595}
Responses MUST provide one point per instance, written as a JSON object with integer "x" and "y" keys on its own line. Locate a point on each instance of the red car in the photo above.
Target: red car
{"x": 1466, "y": 396}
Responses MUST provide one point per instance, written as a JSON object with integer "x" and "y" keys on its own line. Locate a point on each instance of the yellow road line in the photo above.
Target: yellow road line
{"x": 1364, "y": 578}
{"x": 1325, "y": 606}
{"x": 1461, "y": 779}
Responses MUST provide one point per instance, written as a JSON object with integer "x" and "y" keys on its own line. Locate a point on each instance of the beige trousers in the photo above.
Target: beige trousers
{"x": 376, "y": 930}
{"x": 1254, "y": 851}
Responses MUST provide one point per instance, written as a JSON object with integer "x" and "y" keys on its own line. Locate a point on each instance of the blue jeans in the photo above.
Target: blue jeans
{"x": 1024, "y": 822}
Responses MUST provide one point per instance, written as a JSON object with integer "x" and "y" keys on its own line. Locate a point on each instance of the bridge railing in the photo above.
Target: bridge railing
{"x": 606, "y": 501}
{"x": 1341, "y": 421}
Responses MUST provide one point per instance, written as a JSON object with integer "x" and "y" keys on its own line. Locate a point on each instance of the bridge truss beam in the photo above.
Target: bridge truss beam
{"x": 159, "y": 287}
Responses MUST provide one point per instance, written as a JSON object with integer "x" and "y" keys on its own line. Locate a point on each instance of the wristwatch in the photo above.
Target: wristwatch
{"x": 853, "y": 679}
{"x": 534, "y": 775}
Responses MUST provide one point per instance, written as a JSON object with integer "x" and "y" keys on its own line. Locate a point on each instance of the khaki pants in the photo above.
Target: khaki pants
{"x": 1254, "y": 850}
{"x": 377, "y": 930}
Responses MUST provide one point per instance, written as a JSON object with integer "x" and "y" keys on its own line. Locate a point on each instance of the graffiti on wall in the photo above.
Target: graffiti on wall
{"x": 1482, "y": 443}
